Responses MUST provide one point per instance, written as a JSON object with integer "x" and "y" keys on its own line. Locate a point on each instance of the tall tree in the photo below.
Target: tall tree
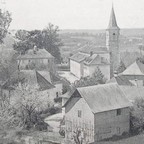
{"x": 48, "y": 38}
{"x": 5, "y": 20}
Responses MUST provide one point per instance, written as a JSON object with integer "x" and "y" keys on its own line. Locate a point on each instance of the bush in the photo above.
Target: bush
{"x": 58, "y": 100}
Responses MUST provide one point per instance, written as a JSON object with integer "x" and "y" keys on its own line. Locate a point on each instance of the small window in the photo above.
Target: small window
{"x": 118, "y": 112}
{"x": 79, "y": 113}
{"x": 114, "y": 34}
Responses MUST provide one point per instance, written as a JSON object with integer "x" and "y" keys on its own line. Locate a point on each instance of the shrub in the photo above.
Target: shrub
{"x": 58, "y": 100}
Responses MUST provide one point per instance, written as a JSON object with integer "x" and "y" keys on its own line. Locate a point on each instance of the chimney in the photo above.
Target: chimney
{"x": 91, "y": 53}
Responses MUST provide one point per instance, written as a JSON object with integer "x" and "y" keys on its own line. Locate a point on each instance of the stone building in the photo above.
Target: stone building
{"x": 99, "y": 112}
{"x": 112, "y": 43}
{"x": 109, "y": 54}
{"x": 36, "y": 59}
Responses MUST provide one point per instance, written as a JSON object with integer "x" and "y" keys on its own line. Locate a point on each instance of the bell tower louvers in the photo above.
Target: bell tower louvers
{"x": 112, "y": 43}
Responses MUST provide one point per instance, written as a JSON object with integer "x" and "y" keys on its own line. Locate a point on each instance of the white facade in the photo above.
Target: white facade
{"x": 76, "y": 68}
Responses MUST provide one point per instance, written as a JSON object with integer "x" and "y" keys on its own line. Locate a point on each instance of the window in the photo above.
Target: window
{"x": 114, "y": 34}
{"x": 79, "y": 113}
{"x": 57, "y": 94}
{"x": 118, "y": 112}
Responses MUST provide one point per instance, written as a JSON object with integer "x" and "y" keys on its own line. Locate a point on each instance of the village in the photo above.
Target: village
{"x": 93, "y": 95}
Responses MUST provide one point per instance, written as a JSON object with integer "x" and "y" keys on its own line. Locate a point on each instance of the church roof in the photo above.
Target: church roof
{"x": 38, "y": 54}
{"x": 113, "y": 22}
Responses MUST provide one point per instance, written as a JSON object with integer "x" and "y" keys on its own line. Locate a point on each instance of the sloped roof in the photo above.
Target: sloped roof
{"x": 40, "y": 54}
{"x": 120, "y": 80}
{"x": 133, "y": 92}
{"x": 113, "y": 22}
{"x": 43, "y": 82}
{"x": 104, "y": 97}
{"x": 95, "y": 59}
{"x": 79, "y": 57}
{"x": 94, "y": 48}
{"x": 49, "y": 76}
{"x": 137, "y": 68}
{"x": 32, "y": 78}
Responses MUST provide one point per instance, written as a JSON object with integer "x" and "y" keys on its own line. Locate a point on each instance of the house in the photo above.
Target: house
{"x": 99, "y": 111}
{"x": 135, "y": 73}
{"x": 83, "y": 64}
{"x": 38, "y": 59}
{"x": 48, "y": 84}
{"x": 107, "y": 57}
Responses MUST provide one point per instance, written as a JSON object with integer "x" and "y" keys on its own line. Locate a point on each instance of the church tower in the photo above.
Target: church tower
{"x": 112, "y": 43}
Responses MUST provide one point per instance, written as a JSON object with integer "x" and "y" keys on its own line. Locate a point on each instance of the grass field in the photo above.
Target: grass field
{"x": 138, "y": 139}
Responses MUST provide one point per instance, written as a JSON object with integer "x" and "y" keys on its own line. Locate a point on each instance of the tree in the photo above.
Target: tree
{"x": 96, "y": 78}
{"x": 48, "y": 38}
{"x": 51, "y": 41}
{"x": 28, "y": 102}
{"x": 5, "y": 20}
{"x": 137, "y": 116}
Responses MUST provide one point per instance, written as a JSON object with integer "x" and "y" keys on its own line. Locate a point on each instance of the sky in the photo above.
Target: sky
{"x": 74, "y": 14}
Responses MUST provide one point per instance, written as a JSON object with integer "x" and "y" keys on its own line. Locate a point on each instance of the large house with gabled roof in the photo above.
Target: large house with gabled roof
{"x": 38, "y": 59}
{"x": 99, "y": 112}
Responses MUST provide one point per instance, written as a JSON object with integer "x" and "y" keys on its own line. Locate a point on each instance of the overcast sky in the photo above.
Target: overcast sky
{"x": 74, "y": 14}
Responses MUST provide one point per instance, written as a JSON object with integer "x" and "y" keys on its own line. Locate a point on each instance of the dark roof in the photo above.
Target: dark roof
{"x": 43, "y": 82}
{"x": 40, "y": 54}
{"x": 102, "y": 98}
{"x": 79, "y": 57}
{"x": 44, "y": 79}
{"x": 113, "y": 22}
{"x": 94, "y": 48}
{"x": 95, "y": 59}
{"x": 120, "y": 80}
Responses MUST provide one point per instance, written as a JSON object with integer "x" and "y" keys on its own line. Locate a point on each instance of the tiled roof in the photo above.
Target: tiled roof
{"x": 31, "y": 77}
{"x": 120, "y": 80}
{"x": 39, "y": 54}
{"x": 78, "y": 57}
{"x": 94, "y": 48}
{"x": 102, "y": 98}
{"x": 95, "y": 59}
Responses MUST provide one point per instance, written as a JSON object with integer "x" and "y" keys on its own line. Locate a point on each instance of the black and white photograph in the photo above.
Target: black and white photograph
{"x": 71, "y": 71}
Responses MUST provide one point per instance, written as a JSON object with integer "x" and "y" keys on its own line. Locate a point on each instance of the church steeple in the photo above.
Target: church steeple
{"x": 112, "y": 22}
{"x": 112, "y": 42}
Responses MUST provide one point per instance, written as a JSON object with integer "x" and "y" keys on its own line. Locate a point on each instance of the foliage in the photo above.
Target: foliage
{"x": 47, "y": 38}
{"x": 137, "y": 116}
{"x": 58, "y": 100}
{"x": 5, "y": 20}
{"x": 121, "y": 67}
{"x": 28, "y": 105}
{"x": 96, "y": 78}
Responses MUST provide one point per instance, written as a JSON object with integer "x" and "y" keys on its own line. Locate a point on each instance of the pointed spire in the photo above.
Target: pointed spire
{"x": 112, "y": 22}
